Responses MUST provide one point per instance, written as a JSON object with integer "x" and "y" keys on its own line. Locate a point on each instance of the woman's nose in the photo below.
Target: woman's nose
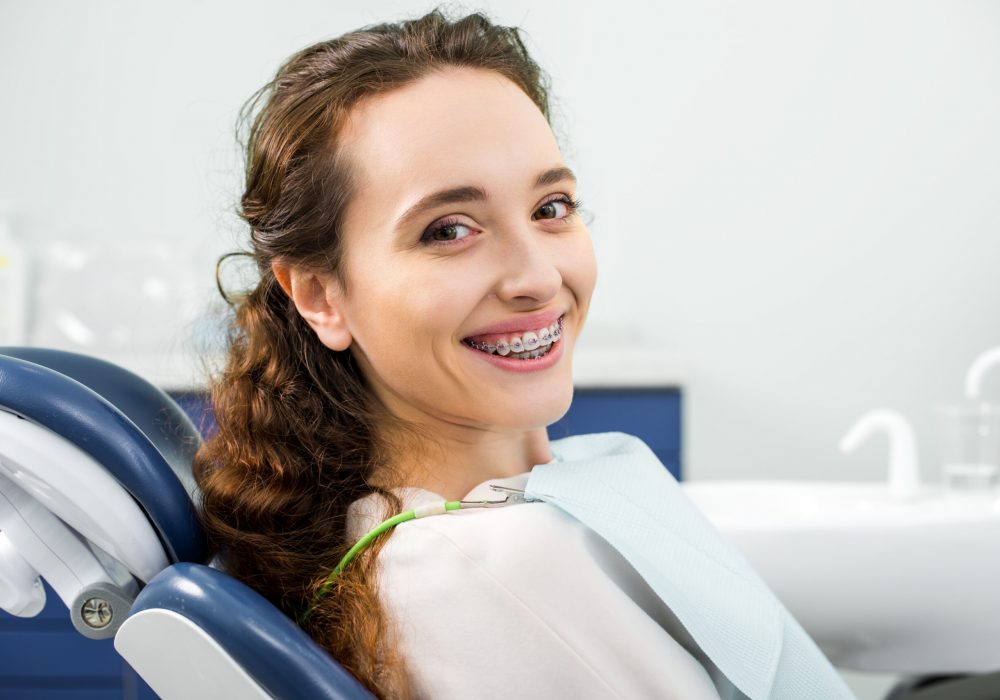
{"x": 528, "y": 264}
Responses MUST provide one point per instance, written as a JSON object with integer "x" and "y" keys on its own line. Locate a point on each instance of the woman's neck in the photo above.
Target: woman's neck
{"x": 456, "y": 464}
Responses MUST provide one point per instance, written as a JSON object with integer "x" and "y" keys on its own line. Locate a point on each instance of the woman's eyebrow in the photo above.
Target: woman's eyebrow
{"x": 474, "y": 193}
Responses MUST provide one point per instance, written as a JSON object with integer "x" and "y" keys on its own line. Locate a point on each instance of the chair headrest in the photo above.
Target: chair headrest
{"x": 34, "y": 386}
{"x": 265, "y": 642}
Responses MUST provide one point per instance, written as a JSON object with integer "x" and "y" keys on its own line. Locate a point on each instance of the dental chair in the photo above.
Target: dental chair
{"x": 97, "y": 498}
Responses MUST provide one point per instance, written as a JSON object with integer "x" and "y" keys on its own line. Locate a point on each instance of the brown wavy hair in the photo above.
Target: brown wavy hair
{"x": 296, "y": 442}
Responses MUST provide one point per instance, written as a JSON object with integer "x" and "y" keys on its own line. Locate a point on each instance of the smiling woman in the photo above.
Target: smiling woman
{"x": 424, "y": 277}
{"x": 461, "y": 216}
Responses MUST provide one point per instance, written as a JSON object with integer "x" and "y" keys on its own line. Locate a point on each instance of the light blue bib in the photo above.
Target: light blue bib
{"x": 614, "y": 484}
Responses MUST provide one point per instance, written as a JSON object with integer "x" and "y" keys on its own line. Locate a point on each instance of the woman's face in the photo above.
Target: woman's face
{"x": 428, "y": 270}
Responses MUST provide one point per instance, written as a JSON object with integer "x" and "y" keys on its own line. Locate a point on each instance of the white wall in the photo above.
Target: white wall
{"x": 798, "y": 200}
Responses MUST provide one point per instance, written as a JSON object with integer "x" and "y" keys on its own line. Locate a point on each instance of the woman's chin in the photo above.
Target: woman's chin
{"x": 530, "y": 406}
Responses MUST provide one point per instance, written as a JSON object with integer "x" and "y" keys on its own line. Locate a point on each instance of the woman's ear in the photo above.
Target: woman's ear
{"x": 319, "y": 300}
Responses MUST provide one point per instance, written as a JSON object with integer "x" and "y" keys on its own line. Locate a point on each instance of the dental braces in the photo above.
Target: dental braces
{"x": 491, "y": 347}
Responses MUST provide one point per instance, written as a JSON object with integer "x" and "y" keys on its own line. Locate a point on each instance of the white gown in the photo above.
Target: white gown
{"x": 525, "y": 601}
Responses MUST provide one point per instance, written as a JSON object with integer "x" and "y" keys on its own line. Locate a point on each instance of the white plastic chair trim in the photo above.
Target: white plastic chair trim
{"x": 75, "y": 487}
{"x": 45, "y": 542}
{"x": 21, "y": 591}
{"x": 180, "y": 661}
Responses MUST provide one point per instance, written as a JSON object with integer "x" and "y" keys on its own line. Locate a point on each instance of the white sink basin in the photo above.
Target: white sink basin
{"x": 880, "y": 586}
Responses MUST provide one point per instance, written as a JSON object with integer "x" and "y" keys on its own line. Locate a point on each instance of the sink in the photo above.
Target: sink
{"x": 881, "y": 585}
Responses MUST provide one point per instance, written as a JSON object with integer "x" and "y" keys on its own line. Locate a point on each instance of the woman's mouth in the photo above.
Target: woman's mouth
{"x": 529, "y": 345}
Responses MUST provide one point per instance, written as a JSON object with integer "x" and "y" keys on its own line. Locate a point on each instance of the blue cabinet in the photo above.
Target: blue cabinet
{"x": 44, "y": 658}
{"x": 653, "y": 415}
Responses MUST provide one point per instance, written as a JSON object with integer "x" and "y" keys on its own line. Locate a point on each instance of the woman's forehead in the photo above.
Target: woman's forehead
{"x": 447, "y": 127}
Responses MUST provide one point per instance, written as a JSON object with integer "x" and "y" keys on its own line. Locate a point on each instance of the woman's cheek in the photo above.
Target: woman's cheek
{"x": 579, "y": 265}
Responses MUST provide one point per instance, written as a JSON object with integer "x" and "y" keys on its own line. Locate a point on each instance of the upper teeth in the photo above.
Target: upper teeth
{"x": 526, "y": 342}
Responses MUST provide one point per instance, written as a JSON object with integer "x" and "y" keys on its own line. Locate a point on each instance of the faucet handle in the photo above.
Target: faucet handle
{"x": 904, "y": 471}
{"x": 978, "y": 369}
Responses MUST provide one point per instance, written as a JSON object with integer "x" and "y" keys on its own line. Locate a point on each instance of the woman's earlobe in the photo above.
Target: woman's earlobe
{"x": 329, "y": 326}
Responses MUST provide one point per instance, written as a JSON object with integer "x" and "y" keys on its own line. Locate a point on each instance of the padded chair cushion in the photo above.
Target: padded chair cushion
{"x": 157, "y": 415}
{"x": 266, "y": 643}
{"x": 69, "y": 408}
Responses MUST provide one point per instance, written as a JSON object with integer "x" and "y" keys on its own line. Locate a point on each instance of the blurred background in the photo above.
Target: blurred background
{"x": 795, "y": 205}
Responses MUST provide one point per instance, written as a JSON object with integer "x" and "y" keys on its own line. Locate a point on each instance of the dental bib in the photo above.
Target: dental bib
{"x": 614, "y": 483}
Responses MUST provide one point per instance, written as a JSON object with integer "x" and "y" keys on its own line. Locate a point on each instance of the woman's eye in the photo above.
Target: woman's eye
{"x": 441, "y": 234}
{"x": 552, "y": 208}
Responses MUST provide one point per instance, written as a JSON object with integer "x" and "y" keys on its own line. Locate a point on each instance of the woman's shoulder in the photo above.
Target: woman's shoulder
{"x": 559, "y": 603}
{"x": 529, "y": 551}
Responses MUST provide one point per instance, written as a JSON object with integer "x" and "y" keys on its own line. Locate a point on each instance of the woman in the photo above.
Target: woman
{"x": 417, "y": 234}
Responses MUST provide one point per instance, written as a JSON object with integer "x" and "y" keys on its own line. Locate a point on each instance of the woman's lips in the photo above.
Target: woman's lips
{"x": 518, "y": 325}
{"x": 512, "y": 364}
{"x": 484, "y": 338}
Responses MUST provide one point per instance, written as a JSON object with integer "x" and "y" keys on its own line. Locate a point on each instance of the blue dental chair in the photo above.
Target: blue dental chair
{"x": 97, "y": 499}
